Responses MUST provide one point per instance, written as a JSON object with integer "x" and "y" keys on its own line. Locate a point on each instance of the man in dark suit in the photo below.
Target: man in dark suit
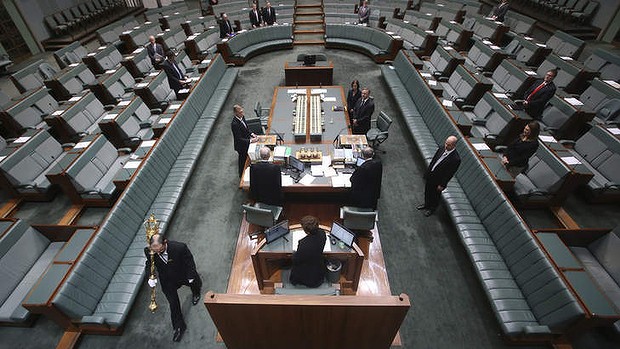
{"x": 308, "y": 267}
{"x": 441, "y": 169}
{"x": 499, "y": 11}
{"x": 269, "y": 14}
{"x": 266, "y": 180}
{"x": 366, "y": 181}
{"x": 155, "y": 52}
{"x": 175, "y": 73}
{"x": 242, "y": 136}
{"x": 540, "y": 92}
{"x": 175, "y": 268}
{"x": 256, "y": 18}
{"x": 362, "y": 112}
{"x": 226, "y": 29}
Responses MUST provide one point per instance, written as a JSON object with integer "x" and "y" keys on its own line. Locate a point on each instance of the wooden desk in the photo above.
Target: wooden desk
{"x": 268, "y": 259}
{"x": 297, "y": 74}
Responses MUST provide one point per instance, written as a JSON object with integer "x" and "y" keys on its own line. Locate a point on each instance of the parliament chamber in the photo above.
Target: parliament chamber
{"x": 95, "y": 138}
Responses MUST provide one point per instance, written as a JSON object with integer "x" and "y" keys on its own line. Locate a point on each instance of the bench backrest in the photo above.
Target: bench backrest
{"x": 31, "y": 159}
{"x": 29, "y": 112}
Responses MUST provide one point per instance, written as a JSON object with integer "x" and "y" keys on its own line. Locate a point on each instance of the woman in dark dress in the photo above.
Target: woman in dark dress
{"x": 519, "y": 152}
{"x": 354, "y": 94}
{"x": 308, "y": 263}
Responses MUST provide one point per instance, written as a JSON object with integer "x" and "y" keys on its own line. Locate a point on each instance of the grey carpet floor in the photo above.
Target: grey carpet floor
{"x": 424, "y": 257}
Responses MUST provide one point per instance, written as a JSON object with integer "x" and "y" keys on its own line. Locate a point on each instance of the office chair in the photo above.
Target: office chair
{"x": 361, "y": 221}
{"x": 255, "y": 126}
{"x": 261, "y": 113}
{"x": 262, "y": 215}
{"x": 379, "y": 133}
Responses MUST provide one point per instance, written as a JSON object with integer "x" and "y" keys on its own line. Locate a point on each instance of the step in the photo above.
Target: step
{"x": 314, "y": 21}
{"x": 313, "y": 13}
{"x": 308, "y": 5}
{"x": 309, "y": 42}
{"x": 309, "y": 31}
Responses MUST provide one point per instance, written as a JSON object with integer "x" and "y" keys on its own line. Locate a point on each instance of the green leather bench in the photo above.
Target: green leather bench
{"x": 247, "y": 44}
{"x": 375, "y": 43}
{"x": 527, "y": 295}
{"x": 99, "y": 291}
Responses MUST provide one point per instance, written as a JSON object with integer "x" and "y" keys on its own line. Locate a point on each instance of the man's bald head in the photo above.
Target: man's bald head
{"x": 265, "y": 153}
{"x": 151, "y": 39}
{"x": 368, "y": 152}
{"x": 451, "y": 143}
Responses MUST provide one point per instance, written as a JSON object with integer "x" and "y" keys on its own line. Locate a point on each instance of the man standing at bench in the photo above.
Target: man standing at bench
{"x": 155, "y": 52}
{"x": 361, "y": 113}
{"x": 539, "y": 93}
{"x": 366, "y": 181}
{"x": 242, "y": 136}
{"x": 256, "y": 17}
{"x": 175, "y": 267}
{"x": 439, "y": 172}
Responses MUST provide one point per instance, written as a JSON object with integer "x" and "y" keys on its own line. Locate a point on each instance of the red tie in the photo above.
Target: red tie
{"x": 535, "y": 90}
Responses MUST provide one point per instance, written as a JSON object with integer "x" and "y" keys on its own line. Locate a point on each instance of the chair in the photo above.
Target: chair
{"x": 362, "y": 221}
{"x": 263, "y": 215}
{"x": 261, "y": 113}
{"x": 379, "y": 134}
{"x": 255, "y": 126}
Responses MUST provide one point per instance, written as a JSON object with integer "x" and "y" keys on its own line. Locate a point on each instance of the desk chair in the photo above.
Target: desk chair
{"x": 379, "y": 133}
{"x": 263, "y": 215}
{"x": 361, "y": 221}
{"x": 255, "y": 126}
{"x": 261, "y": 113}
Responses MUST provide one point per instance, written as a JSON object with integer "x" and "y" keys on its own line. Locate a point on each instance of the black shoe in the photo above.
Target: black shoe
{"x": 420, "y": 207}
{"x": 428, "y": 213}
{"x": 178, "y": 334}
{"x": 195, "y": 299}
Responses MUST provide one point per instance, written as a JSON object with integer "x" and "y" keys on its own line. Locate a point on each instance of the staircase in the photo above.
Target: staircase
{"x": 309, "y": 23}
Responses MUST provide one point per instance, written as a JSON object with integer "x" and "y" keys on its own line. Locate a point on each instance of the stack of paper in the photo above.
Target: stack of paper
{"x": 307, "y": 180}
{"x": 317, "y": 170}
{"x": 342, "y": 180}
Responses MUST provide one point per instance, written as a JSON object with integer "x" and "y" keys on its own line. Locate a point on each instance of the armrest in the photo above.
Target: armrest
{"x": 124, "y": 150}
{"x": 537, "y": 192}
{"x": 443, "y": 79}
{"x": 536, "y": 330}
{"x": 479, "y": 122}
{"x": 128, "y": 89}
{"x": 567, "y": 143}
{"x": 93, "y": 320}
{"x": 459, "y": 99}
{"x": 27, "y": 186}
{"x": 383, "y": 52}
{"x": 500, "y": 148}
{"x": 109, "y": 106}
{"x": 91, "y": 191}
{"x": 467, "y": 107}
{"x": 156, "y": 111}
{"x": 612, "y": 185}
{"x": 68, "y": 145}
{"x": 146, "y": 124}
{"x": 550, "y": 129}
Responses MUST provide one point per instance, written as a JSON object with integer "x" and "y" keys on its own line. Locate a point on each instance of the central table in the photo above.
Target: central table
{"x": 281, "y": 123}
{"x": 298, "y": 74}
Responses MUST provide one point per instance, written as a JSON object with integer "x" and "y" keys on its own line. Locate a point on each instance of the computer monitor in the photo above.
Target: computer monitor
{"x": 360, "y": 161}
{"x": 296, "y": 164}
{"x": 276, "y": 232}
{"x": 343, "y": 234}
{"x": 310, "y": 60}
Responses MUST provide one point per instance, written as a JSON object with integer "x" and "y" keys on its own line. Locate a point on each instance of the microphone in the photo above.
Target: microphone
{"x": 338, "y": 135}
{"x": 278, "y": 135}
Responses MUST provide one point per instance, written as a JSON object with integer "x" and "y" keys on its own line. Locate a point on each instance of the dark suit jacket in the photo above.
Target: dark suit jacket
{"x": 226, "y": 28}
{"x": 241, "y": 135}
{"x": 173, "y": 76}
{"x": 255, "y": 20}
{"x": 499, "y": 11}
{"x": 363, "y": 113}
{"x": 444, "y": 170}
{"x": 538, "y": 102}
{"x": 269, "y": 15}
{"x": 519, "y": 152}
{"x": 363, "y": 16}
{"x": 352, "y": 98}
{"x": 366, "y": 184}
{"x": 266, "y": 183}
{"x": 308, "y": 263}
{"x": 159, "y": 49}
{"x": 179, "y": 269}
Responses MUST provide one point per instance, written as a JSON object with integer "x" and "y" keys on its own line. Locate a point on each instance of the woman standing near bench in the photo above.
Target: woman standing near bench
{"x": 519, "y": 152}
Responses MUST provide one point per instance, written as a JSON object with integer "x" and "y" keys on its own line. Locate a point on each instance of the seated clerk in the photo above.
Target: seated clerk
{"x": 308, "y": 267}
{"x": 176, "y": 74}
{"x": 539, "y": 93}
{"x": 266, "y": 180}
{"x": 519, "y": 152}
{"x": 226, "y": 29}
{"x": 366, "y": 181}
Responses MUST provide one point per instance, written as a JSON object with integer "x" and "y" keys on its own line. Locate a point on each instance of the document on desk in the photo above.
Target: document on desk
{"x": 329, "y": 172}
{"x": 329, "y": 99}
{"x": 287, "y": 180}
{"x": 317, "y": 170}
{"x": 307, "y": 179}
{"x": 342, "y": 180}
{"x": 571, "y": 160}
{"x": 300, "y": 234}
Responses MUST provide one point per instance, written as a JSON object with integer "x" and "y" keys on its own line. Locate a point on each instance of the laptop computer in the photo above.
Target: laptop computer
{"x": 343, "y": 234}
{"x": 276, "y": 232}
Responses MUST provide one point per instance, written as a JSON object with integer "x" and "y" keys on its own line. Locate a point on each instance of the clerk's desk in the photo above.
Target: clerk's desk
{"x": 319, "y": 74}
{"x": 268, "y": 259}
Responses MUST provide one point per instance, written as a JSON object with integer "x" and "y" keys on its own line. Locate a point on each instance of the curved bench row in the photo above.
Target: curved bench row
{"x": 528, "y": 297}
{"x": 97, "y": 293}
{"x": 247, "y": 44}
{"x": 377, "y": 44}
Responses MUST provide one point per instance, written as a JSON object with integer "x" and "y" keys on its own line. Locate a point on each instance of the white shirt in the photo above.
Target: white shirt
{"x": 441, "y": 158}
{"x": 164, "y": 256}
